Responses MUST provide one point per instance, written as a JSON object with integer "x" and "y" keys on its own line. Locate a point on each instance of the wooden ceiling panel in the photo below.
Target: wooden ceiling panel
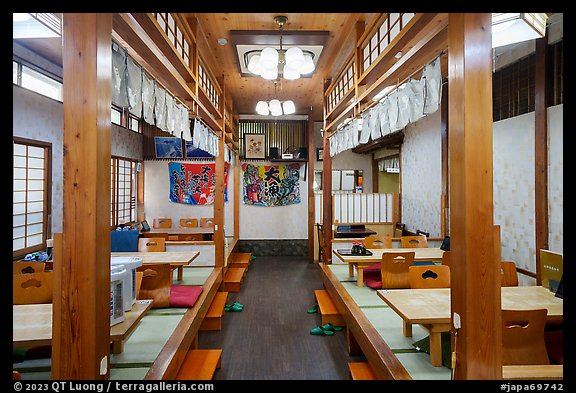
{"x": 305, "y": 92}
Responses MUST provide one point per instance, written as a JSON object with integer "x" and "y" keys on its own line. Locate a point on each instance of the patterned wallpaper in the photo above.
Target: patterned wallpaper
{"x": 514, "y": 186}
{"x": 422, "y": 175}
{"x": 37, "y": 117}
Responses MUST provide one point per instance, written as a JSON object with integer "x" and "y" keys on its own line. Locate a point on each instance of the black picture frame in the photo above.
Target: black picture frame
{"x": 319, "y": 154}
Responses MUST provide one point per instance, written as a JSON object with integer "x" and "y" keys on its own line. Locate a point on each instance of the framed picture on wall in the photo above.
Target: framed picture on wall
{"x": 254, "y": 146}
{"x": 168, "y": 147}
{"x": 319, "y": 154}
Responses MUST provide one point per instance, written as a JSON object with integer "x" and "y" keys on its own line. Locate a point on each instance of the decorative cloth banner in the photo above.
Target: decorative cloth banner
{"x": 119, "y": 91}
{"x": 194, "y": 183}
{"x": 271, "y": 185}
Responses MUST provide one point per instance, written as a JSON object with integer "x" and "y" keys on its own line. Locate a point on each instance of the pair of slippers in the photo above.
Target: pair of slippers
{"x": 326, "y": 330}
{"x": 313, "y": 310}
{"x": 234, "y": 307}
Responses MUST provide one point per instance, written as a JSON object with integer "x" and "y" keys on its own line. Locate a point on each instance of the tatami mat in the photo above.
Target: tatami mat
{"x": 419, "y": 367}
{"x": 193, "y": 275}
{"x": 364, "y": 297}
{"x": 389, "y": 325}
{"x": 131, "y": 373}
{"x": 144, "y": 345}
{"x": 341, "y": 272}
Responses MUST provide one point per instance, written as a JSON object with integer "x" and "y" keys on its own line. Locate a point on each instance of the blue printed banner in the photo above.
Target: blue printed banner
{"x": 271, "y": 185}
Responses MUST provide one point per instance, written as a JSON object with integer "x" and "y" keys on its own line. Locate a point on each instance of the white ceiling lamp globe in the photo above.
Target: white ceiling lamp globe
{"x": 275, "y": 106}
{"x": 288, "y": 107}
{"x": 270, "y": 74}
{"x": 290, "y": 73}
{"x": 254, "y": 65}
{"x": 262, "y": 108}
{"x": 294, "y": 58}
{"x": 269, "y": 58}
{"x": 308, "y": 65}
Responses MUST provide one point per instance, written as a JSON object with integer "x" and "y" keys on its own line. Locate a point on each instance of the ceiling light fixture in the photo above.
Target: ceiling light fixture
{"x": 510, "y": 28}
{"x": 290, "y": 63}
{"x": 275, "y": 107}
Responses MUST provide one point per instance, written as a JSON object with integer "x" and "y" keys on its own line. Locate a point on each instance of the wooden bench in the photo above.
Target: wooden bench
{"x": 328, "y": 309}
{"x": 213, "y": 318}
{"x": 361, "y": 371}
{"x": 200, "y": 364}
{"x": 241, "y": 259}
{"x": 233, "y": 279}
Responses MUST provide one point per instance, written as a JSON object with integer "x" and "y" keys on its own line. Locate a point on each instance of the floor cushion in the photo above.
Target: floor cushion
{"x": 184, "y": 295}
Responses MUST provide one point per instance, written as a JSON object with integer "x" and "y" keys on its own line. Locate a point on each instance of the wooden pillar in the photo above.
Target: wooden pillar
{"x": 237, "y": 193}
{"x": 444, "y": 201}
{"x": 81, "y": 306}
{"x": 540, "y": 155}
{"x": 327, "y": 201}
{"x": 219, "y": 205}
{"x": 475, "y": 275}
{"x": 311, "y": 201}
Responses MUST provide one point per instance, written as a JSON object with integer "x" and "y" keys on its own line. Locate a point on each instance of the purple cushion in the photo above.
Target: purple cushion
{"x": 373, "y": 276}
{"x": 184, "y": 295}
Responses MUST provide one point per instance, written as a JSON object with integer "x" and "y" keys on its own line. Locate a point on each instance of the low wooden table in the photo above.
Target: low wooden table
{"x": 32, "y": 325}
{"x": 362, "y": 261}
{"x": 206, "y": 232}
{"x": 431, "y": 309}
{"x": 177, "y": 259}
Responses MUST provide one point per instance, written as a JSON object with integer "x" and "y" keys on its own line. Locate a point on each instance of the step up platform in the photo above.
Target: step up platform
{"x": 361, "y": 371}
{"x": 328, "y": 309}
{"x": 233, "y": 279}
{"x": 213, "y": 319}
{"x": 241, "y": 259}
{"x": 200, "y": 364}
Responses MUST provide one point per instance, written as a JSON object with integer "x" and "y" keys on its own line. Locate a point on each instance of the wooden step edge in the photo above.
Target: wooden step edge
{"x": 361, "y": 371}
{"x": 216, "y": 308}
{"x": 234, "y": 274}
{"x": 325, "y": 304}
{"x": 200, "y": 364}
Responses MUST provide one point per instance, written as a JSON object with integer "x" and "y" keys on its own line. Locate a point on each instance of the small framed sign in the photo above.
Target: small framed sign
{"x": 319, "y": 154}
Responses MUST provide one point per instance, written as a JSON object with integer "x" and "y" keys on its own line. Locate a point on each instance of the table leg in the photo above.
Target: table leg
{"x": 436, "y": 349}
{"x": 360, "y": 271}
{"x": 407, "y": 329}
{"x": 117, "y": 346}
{"x": 180, "y": 273}
{"x": 350, "y": 270}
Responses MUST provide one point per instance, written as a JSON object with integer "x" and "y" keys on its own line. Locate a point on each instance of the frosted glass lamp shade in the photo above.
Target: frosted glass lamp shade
{"x": 290, "y": 73}
{"x": 275, "y": 106}
{"x": 294, "y": 58}
{"x": 308, "y": 65}
{"x": 288, "y": 107}
{"x": 262, "y": 108}
{"x": 254, "y": 65}
{"x": 270, "y": 74}
{"x": 269, "y": 58}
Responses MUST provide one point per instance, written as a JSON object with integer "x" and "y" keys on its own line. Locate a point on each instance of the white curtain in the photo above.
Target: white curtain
{"x": 134, "y": 84}
{"x": 365, "y": 134}
{"x": 160, "y": 106}
{"x": 403, "y": 106}
{"x": 185, "y": 123}
{"x": 148, "y": 98}
{"x": 393, "y": 111}
{"x": 375, "y": 124}
{"x": 384, "y": 118}
{"x": 119, "y": 90}
{"x": 416, "y": 98}
{"x": 433, "y": 77}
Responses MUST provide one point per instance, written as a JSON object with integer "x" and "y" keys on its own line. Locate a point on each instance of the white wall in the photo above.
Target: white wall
{"x": 421, "y": 167}
{"x": 157, "y": 202}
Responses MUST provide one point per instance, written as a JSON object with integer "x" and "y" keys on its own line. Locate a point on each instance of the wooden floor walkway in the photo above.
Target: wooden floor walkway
{"x": 270, "y": 339}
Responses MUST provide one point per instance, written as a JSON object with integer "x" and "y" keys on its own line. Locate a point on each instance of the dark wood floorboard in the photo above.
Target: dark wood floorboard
{"x": 270, "y": 339}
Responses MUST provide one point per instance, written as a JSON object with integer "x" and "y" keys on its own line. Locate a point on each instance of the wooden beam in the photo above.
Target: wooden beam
{"x": 81, "y": 306}
{"x": 540, "y": 155}
{"x": 311, "y": 201}
{"x": 326, "y": 200}
{"x": 444, "y": 201}
{"x": 219, "y": 205}
{"x": 475, "y": 274}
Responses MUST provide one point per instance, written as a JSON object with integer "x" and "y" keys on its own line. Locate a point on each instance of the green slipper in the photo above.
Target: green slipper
{"x": 313, "y": 310}
{"x": 320, "y": 331}
{"x": 233, "y": 308}
{"x": 238, "y": 304}
{"x": 331, "y": 328}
